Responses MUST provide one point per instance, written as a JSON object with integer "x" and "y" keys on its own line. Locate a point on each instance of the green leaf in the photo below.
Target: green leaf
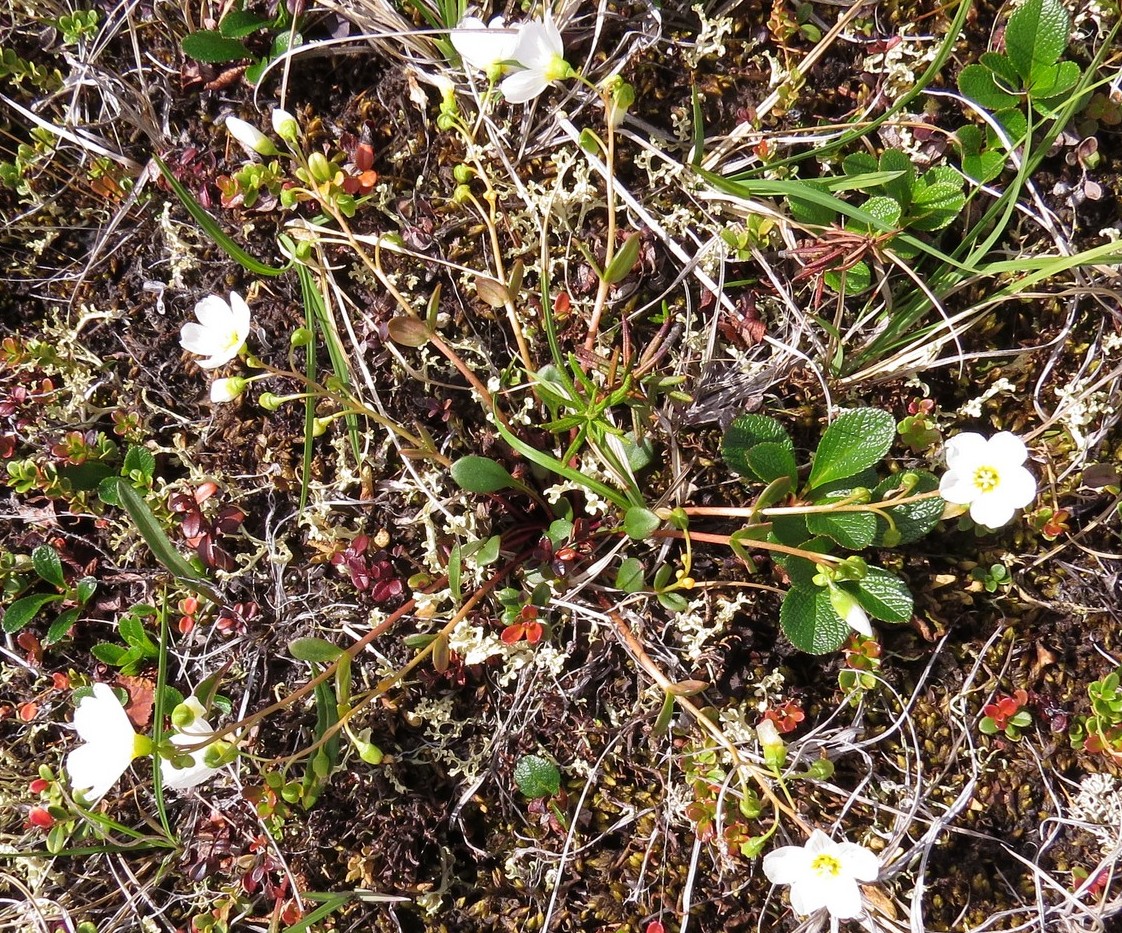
{"x": 131, "y": 629}
{"x": 1055, "y": 82}
{"x": 790, "y": 529}
{"x": 481, "y": 475}
{"x": 86, "y": 587}
{"x": 537, "y": 777}
{"x": 977, "y": 83}
{"x": 771, "y": 461}
{"x": 61, "y": 626}
{"x": 140, "y": 460}
{"x": 914, "y": 520}
{"x": 746, "y": 432}
{"x": 629, "y": 578}
{"x": 882, "y": 595}
{"x": 1003, "y": 70}
{"x": 810, "y": 622}
{"x": 314, "y": 649}
{"x": 854, "y": 442}
{"x": 675, "y": 602}
{"x": 885, "y": 209}
{"x": 489, "y": 552}
{"x": 1036, "y": 36}
{"x": 108, "y": 653}
{"x": 899, "y": 189}
{"x": 47, "y": 564}
{"x": 814, "y": 212}
{"x": 853, "y": 530}
{"x": 624, "y": 260}
{"x": 239, "y": 23}
{"x": 208, "y": 45}
{"x": 159, "y": 543}
{"x": 936, "y": 205}
{"x": 24, "y": 610}
{"x": 640, "y": 523}
{"x": 859, "y": 163}
{"x": 853, "y": 281}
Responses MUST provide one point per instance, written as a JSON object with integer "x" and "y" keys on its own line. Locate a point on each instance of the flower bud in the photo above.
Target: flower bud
{"x": 285, "y": 125}
{"x": 250, "y": 138}
{"x": 463, "y": 173}
{"x": 269, "y": 401}
{"x": 775, "y": 752}
{"x": 226, "y": 390}
{"x": 186, "y": 713}
{"x": 301, "y": 337}
{"x": 850, "y": 611}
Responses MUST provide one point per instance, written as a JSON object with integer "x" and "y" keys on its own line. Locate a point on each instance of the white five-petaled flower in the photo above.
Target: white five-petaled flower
{"x": 484, "y": 46}
{"x": 823, "y": 873}
{"x": 191, "y": 733}
{"x": 111, "y": 744}
{"x": 221, "y": 330}
{"x": 988, "y": 475}
{"x": 540, "y": 54}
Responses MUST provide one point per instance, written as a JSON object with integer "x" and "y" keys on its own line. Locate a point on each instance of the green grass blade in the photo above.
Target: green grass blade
{"x": 211, "y": 228}
{"x": 159, "y": 543}
{"x": 314, "y": 302}
{"x": 309, "y": 296}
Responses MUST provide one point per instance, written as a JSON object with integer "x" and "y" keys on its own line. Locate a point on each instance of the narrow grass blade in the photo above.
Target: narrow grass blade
{"x": 314, "y": 303}
{"x": 159, "y": 543}
{"x": 211, "y": 228}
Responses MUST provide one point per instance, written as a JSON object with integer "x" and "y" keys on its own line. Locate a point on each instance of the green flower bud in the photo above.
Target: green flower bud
{"x": 463, "y": 173}
{"x": 301, "y": 337}
{"x": 270, "y": 402}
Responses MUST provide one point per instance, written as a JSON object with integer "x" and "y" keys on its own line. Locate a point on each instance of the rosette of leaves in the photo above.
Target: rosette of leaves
{"x": 850, "y": 510}
{"x": 1029, "y": 71}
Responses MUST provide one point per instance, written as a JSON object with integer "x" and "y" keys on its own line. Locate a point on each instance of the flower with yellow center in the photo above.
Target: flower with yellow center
{"x": 823, "y": 874}
{"x": 220, "y": 332}
{"x": 988, "y": 475}
{"x": 540, "y": 54}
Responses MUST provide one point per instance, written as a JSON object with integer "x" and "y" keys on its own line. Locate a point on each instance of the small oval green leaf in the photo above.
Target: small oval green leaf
{"x": 47, "y": 564}
{"x": 640, "y": 523}
{"x": 314, "y": 649}
{"x": 481, "y": 475}
{"x": 210, "y": 46}
{"x": 854, "y": 442}
{"x": 537, "y": 777}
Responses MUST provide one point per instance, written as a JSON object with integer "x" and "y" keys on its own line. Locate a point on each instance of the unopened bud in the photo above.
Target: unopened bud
{"x": 285, "y": 125}
{"x": 301, "y": 337}
{"x": 269, "y": 401}
{"x": 250, "y": 138}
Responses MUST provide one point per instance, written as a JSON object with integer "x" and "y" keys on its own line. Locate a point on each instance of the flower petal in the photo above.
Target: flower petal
{"x": 212, "y": 312}
{"x": 185, "y": 778}
{"x": 857, "y": 861}
{"x": 197, "y": 339}
{"x": 964, "y": 450}
{"x": 808, "y": 895}
{"x": 523, "y": 86}
{"x": 991, "y": 509}
{"x": 239, "y": 311}
{"x": 1017, "y": 486}
{"x": 786, "y": 865}
{"x": 957, "y": 486}
{"x": 840, "y": 896}
{"x": 1007, "y": 450}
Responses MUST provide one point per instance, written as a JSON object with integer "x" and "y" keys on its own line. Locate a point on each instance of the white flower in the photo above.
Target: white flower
{"x": 226, "y": 390}
{"x": 111, "y": 744}
{"x": 541, "y": 54}
{"x": 285, "y": 125}
{"x": 484, "y": 46}
{"x": 191, "y": 733}
{"x": 251, "y": 139}
{"x": 988, "y": 475}
{"x": 823, "y": 873}
{"x": 221, "y": 330}
{"x": 846, "y": 606}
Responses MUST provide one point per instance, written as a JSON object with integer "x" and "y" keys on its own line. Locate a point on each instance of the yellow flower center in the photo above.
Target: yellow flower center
{"x": 986, "y": 479}
{"x": 826, "y": 864}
